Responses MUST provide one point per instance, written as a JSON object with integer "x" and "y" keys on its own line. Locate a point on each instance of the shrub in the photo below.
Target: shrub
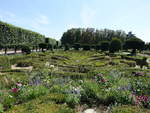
{"x": 65, "y": 110}
{"x": 4, "y": 62}
{"x": 129, "y": 109}
{"x": 105, "y": 45}
{"x": 76, "y": 46}
{"x": 66, "y": 47}
{"x": 72, "y": 100}
{"x": 25, "y": 49}
{"x": 86, "y": 47}
{"x": 90, "y": 93}
{"x": 31, "y": 92}
{"x": 49, "y": 47}
{"x": 7, "y": 100}
{"x": 23, "y": 63}
{"x": 1, "y": 108}
{"x": 115, "y": 45}
{"x": 134, "y": 43}
{"x": 129, "y": 62}
{"x": 43, "y": 46}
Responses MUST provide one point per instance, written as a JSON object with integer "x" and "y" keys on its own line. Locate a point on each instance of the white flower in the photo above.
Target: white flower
{"x": 51, "y": 66}
{"x": 47, "y": 64}
{"x": 10, "y": 96}
{"x": 19, "y": 84}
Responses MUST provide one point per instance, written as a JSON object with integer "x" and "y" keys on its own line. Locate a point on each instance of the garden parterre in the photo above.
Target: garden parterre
{"x": 61, "y": 81}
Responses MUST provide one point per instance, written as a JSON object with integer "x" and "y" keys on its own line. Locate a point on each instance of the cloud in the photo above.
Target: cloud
{"x": 87, "y": 15}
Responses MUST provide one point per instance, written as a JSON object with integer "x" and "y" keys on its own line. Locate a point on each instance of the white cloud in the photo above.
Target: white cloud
{"x": 87, "y": 15}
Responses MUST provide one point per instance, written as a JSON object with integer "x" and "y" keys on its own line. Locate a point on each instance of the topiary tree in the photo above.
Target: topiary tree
{"x": 76, "y": 46}
{"x": 25, "y": 49}
{"x": 49, "y": 47}
{"x": 86, "y": 47}
{"x": 105, "y": 46}
{"x": 134, "y": 43}
{"x": 66, "y": 47}
{"x": 47, "y": 40}
{"x": 147, "y": 46}
{"x": 43, "y": 46}
{"x": 1, "y": 46}
{"x": 98, "y": 47}
{"x": 115, "y": 45}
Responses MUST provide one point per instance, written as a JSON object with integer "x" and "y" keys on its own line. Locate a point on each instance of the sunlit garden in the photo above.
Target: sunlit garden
{"x": 72, "y": 81}
{"x": 87, "y": 71}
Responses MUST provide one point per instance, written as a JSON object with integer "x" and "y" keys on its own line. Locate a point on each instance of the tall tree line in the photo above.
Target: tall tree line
{"x": 91, "y": 36}
{"x": 12, "y": 35}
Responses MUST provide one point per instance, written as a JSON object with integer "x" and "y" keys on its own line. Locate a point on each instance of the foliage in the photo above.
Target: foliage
{"x": 104, "y": 46}
{"x": 1, "y": 108}
{"x": 134, "y": 43}
{"x": 25, "y": 49}
{"x": 90, "y": 36}
{"x": 128, "y": 109}
{"x": 115, "y": 45}
{"x": 12, "y": 35}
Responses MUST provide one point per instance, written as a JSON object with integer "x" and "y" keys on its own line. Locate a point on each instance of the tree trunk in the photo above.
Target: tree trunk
{"x": 6, "y": 50}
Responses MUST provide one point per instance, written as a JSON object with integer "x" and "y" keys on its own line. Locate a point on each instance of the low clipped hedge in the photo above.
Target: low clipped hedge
{"x": 129, "y": 109}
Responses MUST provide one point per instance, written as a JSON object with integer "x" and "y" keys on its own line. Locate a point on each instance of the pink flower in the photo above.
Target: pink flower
{"x": 14, "y": 90}
{"x": 141, "y": 99}
{"x": 19, "y": 84}
{"x": 103, "y": 80}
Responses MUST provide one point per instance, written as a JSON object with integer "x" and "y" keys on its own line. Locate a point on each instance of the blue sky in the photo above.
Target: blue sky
{"x": 53, "y": 17}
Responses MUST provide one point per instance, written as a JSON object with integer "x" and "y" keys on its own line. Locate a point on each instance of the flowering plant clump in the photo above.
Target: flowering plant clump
{"x": 18, "y": 84}
{"x": 100, "y": 78}
{"x": 15, "y": 90}
{"x": 138, "y": 74}
{"x": 141, "y": 100}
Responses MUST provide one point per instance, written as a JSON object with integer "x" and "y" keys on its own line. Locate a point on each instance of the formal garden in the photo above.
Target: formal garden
{"x": 102, "y": 71}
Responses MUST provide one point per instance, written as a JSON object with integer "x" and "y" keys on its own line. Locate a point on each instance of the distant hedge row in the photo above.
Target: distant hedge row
{"x": 11, "y": 36}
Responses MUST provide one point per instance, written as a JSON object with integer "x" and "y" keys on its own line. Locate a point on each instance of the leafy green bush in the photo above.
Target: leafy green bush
{"x": 90, "y": 93}
{"x": 115, "y": 45}
{"x": 7, "y": 100}
{"x": 72, "y": 100}
{"x": 105, "y": 45}
{"x": 4, "y": 62}
{"x": 31, "y": 92}
{"x": 65, "y": 110}
{"x": 129, "y": 109}
{"x": 1, "y": 108}
{"x": 23, "y": 63}
{"x": 25, "y": 49}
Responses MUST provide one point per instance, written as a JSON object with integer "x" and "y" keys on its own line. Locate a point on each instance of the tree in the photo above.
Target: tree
{"x": 43, "y": 46}
{"x": 115, "y": 45}
{"x": 12, "y": 35}
{"x": 76, "y": 46}
{"x": 90, "y": 36}
{"x": 104, "y": 46}
{"x": 25, "y": 49}
{"x": 135, "y": 43}
{"x": 86, "y": 47}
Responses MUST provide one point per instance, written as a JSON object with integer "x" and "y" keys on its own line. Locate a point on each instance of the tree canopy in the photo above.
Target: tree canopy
{"x": 12, "y": 35}
{"x": 90, "y": 36}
